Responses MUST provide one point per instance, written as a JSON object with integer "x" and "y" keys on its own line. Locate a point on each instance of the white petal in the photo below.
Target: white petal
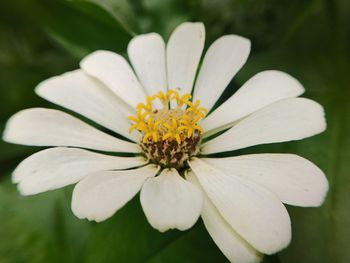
{"x": 57, "y": 167}
{"x": 234, "y": 247}
{"x": 183, "y": 52}
{"x": 47, "y": 127}
{"x": 295, "y": 180}
{"x": 170, "y": 202}
{"x": 255, "y": 213}
{"x": 261, "y": 90}
{"x": 224, "y": 58}
{"x": 147, "y": 55}
{"x": 98, "y": 196}
{"x": 115, "y": 72}
{"x": 80, "y": 93}
{"x": 286, "y": 120}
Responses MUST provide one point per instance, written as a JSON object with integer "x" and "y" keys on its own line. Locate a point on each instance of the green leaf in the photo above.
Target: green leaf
{"x": 163, "y": 16}
{"x": 120, "y": 10}
{"x": 80, "y": 33}
{"x": 26, "y": 227}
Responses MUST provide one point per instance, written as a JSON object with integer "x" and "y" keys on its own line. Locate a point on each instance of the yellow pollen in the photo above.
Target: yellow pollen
{"x": 177, "y": 118}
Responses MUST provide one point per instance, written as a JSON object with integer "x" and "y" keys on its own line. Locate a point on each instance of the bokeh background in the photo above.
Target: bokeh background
{"x": 309, "y": 39}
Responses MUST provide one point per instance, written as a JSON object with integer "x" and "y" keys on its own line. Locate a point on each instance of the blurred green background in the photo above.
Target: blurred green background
{"x": 41, "y": 38}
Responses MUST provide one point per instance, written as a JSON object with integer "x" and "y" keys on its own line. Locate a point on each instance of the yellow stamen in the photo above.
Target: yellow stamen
{"x": 174, "y": 123}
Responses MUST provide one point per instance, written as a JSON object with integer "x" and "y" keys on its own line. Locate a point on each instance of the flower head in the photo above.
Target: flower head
{"x": 172, "y": 136}
{"x": 170, "y": 133}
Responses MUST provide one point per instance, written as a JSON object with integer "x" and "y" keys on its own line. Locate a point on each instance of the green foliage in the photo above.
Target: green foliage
{"x": 308, "y": 39}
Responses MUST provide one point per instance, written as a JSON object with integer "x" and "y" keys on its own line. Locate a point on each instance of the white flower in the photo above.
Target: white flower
{"x": 239, "y": 198}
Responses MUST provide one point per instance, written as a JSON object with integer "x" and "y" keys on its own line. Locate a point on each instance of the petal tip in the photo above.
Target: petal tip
{"x": 85, "y": 62}
{"x": 192, "y": 26}
{"x": 9, "y": 130}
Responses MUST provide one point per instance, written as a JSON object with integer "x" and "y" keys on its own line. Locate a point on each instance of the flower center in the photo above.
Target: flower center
{"x": 169, "y": 126}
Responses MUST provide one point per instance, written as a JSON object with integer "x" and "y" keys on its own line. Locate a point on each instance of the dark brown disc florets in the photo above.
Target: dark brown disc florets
{"x": 170, "y": 153}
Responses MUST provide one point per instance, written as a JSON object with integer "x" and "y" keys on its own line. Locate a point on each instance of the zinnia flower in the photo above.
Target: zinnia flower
{"x": 170, "y": 130}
